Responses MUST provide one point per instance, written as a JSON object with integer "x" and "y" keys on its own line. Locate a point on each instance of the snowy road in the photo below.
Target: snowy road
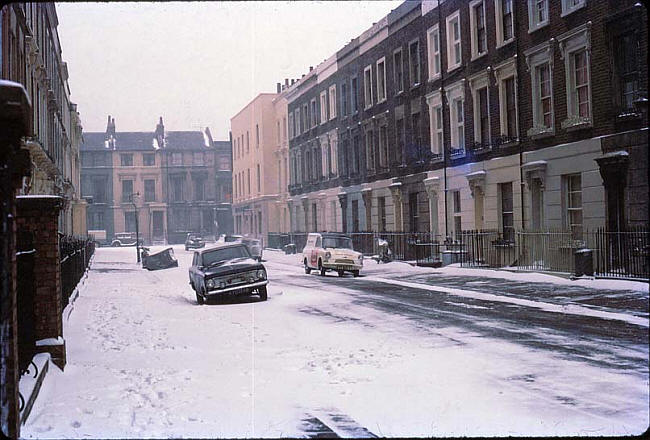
{"x": 399, "y": 352}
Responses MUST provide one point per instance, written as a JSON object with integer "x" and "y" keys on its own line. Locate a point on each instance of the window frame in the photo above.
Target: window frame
{"x": 332, "y": 101}
{"x": 367, "y": 87}
{"x": 456, "y": 92}
{"x": 323, "y": 107}
{"x": 570, "y": 9}
{"x": 571, "y": 43}
{"x": 398, "y": 79}
{"x": 500, "y": 22}
{"x": 417, "y": 68}
{"x": 536, "y": 57}
{"x": 502, "y": 73}
{"x": 381, "y": 82}
{"x": 476, "y": 84}
{"x": 436, "y": 121}
{"x": 533, "y": 23}
{"x": 449, "y": 24}
{"x": 474, "y": 37}
{"x": 433, "y": 39}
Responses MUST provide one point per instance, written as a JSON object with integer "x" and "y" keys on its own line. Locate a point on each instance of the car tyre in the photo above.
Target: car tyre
{"x": 341, "y": 273}
{"x": 263, "y": 294}
{"x": 199, "y": 297}
{"x": 355, "y": 273}
{"x": 321, "y": 268}
{"x": 186, "y": 248}
{"x": 116, "y": 244}
{"x": 307, "y": 268}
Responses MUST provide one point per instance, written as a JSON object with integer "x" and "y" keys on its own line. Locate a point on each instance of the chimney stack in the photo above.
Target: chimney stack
{"x": 292, "y": 81}
{"x": 278, "y": 87}
{"x": 110, "y": 127}
{"x": 160, "y": 131}
{"x": 286, "y": 82}
{"x": 311, "y": 68}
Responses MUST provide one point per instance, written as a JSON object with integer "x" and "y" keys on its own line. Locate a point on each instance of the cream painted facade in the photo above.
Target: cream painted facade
{"x": 259, "y": 142}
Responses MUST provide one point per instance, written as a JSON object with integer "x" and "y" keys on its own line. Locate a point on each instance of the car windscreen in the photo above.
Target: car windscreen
{"x": 337, "y": 242}
{"x": 195, "y": 237}
{"x": 224, "y": 254}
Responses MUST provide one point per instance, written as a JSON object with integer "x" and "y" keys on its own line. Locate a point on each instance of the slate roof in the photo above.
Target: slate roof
{"x": 142, "y": 141}
{"x": 124, "y": 141}
{"x": 222, "y": 145}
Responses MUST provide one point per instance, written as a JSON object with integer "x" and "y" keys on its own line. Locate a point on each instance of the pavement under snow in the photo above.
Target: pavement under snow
{"x": 145, "y": 361}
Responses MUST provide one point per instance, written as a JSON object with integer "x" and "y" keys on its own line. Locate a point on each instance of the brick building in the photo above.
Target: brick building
{"x": 455, "y": 115}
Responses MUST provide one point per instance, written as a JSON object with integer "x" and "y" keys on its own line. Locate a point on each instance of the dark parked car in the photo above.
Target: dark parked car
{"x": 160, "y": 260}
{"x": 226, "y": 270}
{"x": 194, "y": 241}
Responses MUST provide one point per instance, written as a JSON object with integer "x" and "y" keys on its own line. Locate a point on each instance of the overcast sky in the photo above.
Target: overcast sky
{"x": 196, "y": 64}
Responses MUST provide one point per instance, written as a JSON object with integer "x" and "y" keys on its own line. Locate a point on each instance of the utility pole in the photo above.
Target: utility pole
{"x": 137, "y": 228}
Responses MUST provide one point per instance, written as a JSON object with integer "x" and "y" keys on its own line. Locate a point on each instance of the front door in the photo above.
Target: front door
{"x": 158, "y": 232}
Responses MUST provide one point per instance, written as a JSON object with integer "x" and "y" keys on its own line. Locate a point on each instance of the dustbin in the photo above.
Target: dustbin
{"x": 584, "y": 264}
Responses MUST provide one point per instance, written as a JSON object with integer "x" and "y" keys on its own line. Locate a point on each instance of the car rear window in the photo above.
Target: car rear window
{"x": 337, "y": 242}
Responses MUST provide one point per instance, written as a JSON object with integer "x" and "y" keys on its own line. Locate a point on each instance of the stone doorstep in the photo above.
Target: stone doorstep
{"x": 29, "y": 386}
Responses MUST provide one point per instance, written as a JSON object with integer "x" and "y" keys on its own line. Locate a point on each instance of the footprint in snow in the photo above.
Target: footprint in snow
{"x": 75, "y": 424}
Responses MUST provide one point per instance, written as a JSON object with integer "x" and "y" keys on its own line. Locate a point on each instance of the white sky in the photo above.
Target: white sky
{"x": 196, "y": 64}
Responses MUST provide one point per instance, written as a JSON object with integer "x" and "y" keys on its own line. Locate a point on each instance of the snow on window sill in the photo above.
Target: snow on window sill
{"x": 540, "y": 131}
{"x": 537, "y": 27}
{"x": 476, "y": 56}
{"x": 504, "y": 43}
{"x": 576, "y": 123}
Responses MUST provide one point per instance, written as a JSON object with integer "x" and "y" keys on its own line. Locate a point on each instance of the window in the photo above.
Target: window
{"x": 575, "y": 50}
{"x": 99, "y": 189}
{"x": 257, "y": 136}
{"x": 126, "y": 160}
{"x": 573, "y": 203}
{"x": 510, "y": 108}
{"x": 383, "y": 146}
{"x": 367, "y": 87}
{"x": 398, "y": 71}
{"x": 149, "y": 190}
{"x": 291, "y": 125}
{"x": 127, "y": 190}
{"x": 284, "y": 128}
{"x": 416, "y": 140}
{"x": 356, "y": 153}
{"x": 259, "y": 178}
{"x": 278, "y": 130}
{"x": 400, "y": 140}
{"x": 197, "y": 158}
{"x": 177, "y": 188}
{"x": 248, "y": 143}
{"x": 148, "y": 159}
{"x": 381, "y": 80}
{"x": 434, "y": 101}
{"x": 381, "y": 206}
{"x": 507, "y": 212}
{"x": 477, "y": 28}
{"x": 569, "y": 6}
{"x": 454, "y": 50}
{"x": 626, "y": 71}
{"x": 314, "y": 114}
{"x": 504, "y": 21}
{"x": 199, "y": 188}
{"x": 248, "y": 175}
{"x": 298, "y": 122}
{"x": 96, "y": 220}
{"x": 455, "y": 95}
{"x": 332, "y": 102}
{"x": 483, "y": 117}
{"x": 344, "y": 99}
{"x": 305, "y": 118}
{"x": 370, "y": 151}
{"x": 413, "y": 211}
{"x": 433, "y": 38}
{"x": 354, "y": 93}
{"x": 414, "y": 62}
{"x": 538, "y": 59}
{"x": 537, "y": 14}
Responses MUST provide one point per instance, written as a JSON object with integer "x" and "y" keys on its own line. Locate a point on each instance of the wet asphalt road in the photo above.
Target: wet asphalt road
{"x": 606, "y": 343}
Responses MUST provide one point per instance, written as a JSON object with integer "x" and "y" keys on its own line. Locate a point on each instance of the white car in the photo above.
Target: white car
{"x": 331, "y": 251}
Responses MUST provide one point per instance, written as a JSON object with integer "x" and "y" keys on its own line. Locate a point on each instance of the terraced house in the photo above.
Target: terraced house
{"x": 448, "y": 116}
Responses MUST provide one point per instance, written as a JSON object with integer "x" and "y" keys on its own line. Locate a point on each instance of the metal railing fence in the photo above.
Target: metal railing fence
{"x": 75, "y": 255}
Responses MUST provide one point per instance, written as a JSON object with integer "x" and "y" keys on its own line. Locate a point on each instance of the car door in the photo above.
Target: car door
{"x": 313, "y": 258}
{"x": 194, "y": 267}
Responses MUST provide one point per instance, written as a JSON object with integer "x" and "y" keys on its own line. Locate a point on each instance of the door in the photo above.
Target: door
{"x": 158, "y": 232}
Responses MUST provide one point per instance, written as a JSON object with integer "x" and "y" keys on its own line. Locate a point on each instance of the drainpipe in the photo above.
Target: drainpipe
{"x": 519, "y": 137}
{"x": 445, "y": 104}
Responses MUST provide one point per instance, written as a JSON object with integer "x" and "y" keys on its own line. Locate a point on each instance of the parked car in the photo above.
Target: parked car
{"x": 331, "y": 251}
{"x": 194, "y": 241}
{"x": 160, "y": 260}
{"x": 125, "y": 239}
{"x": 254, "y": 247}
{"x": 232, "y": 238}
{"x": 226, "y": 270}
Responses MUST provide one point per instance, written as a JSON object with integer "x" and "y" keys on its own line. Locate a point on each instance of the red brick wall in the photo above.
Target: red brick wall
{"x": 39, "y": 215}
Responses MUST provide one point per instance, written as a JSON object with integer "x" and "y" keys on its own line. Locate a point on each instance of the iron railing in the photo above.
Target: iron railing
{"x": 614, "y": 254}
{"x": 75, "y": 255}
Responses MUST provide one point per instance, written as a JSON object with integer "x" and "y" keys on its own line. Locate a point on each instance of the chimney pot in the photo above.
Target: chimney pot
{"x": 286, "y": 81}
{"x": 311, "y": 68}
{"x": 278, "y": 87}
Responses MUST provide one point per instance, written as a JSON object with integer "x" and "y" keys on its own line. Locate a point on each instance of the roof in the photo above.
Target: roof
{"x": 222, "y": 145}
{"x": 221, "y": 246}
{"x": 139, "y": 140}
{"x": 185, "y": 140}
{"x": 124, "y": 141}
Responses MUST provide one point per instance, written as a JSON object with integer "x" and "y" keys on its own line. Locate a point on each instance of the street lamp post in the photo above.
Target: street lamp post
{"x": 137, "y": 229}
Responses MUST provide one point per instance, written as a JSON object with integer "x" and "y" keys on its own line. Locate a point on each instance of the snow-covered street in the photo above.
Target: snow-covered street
{"x": 401, "y": 351}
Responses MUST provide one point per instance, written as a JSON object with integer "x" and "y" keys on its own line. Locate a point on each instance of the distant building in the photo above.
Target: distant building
{"x": 223, "y": 187}
{"x": 168, "y": 177}
{"x": 259, "y": 148}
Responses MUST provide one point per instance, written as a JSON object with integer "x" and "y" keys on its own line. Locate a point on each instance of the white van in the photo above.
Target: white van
{"x": 329, "y": 251}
